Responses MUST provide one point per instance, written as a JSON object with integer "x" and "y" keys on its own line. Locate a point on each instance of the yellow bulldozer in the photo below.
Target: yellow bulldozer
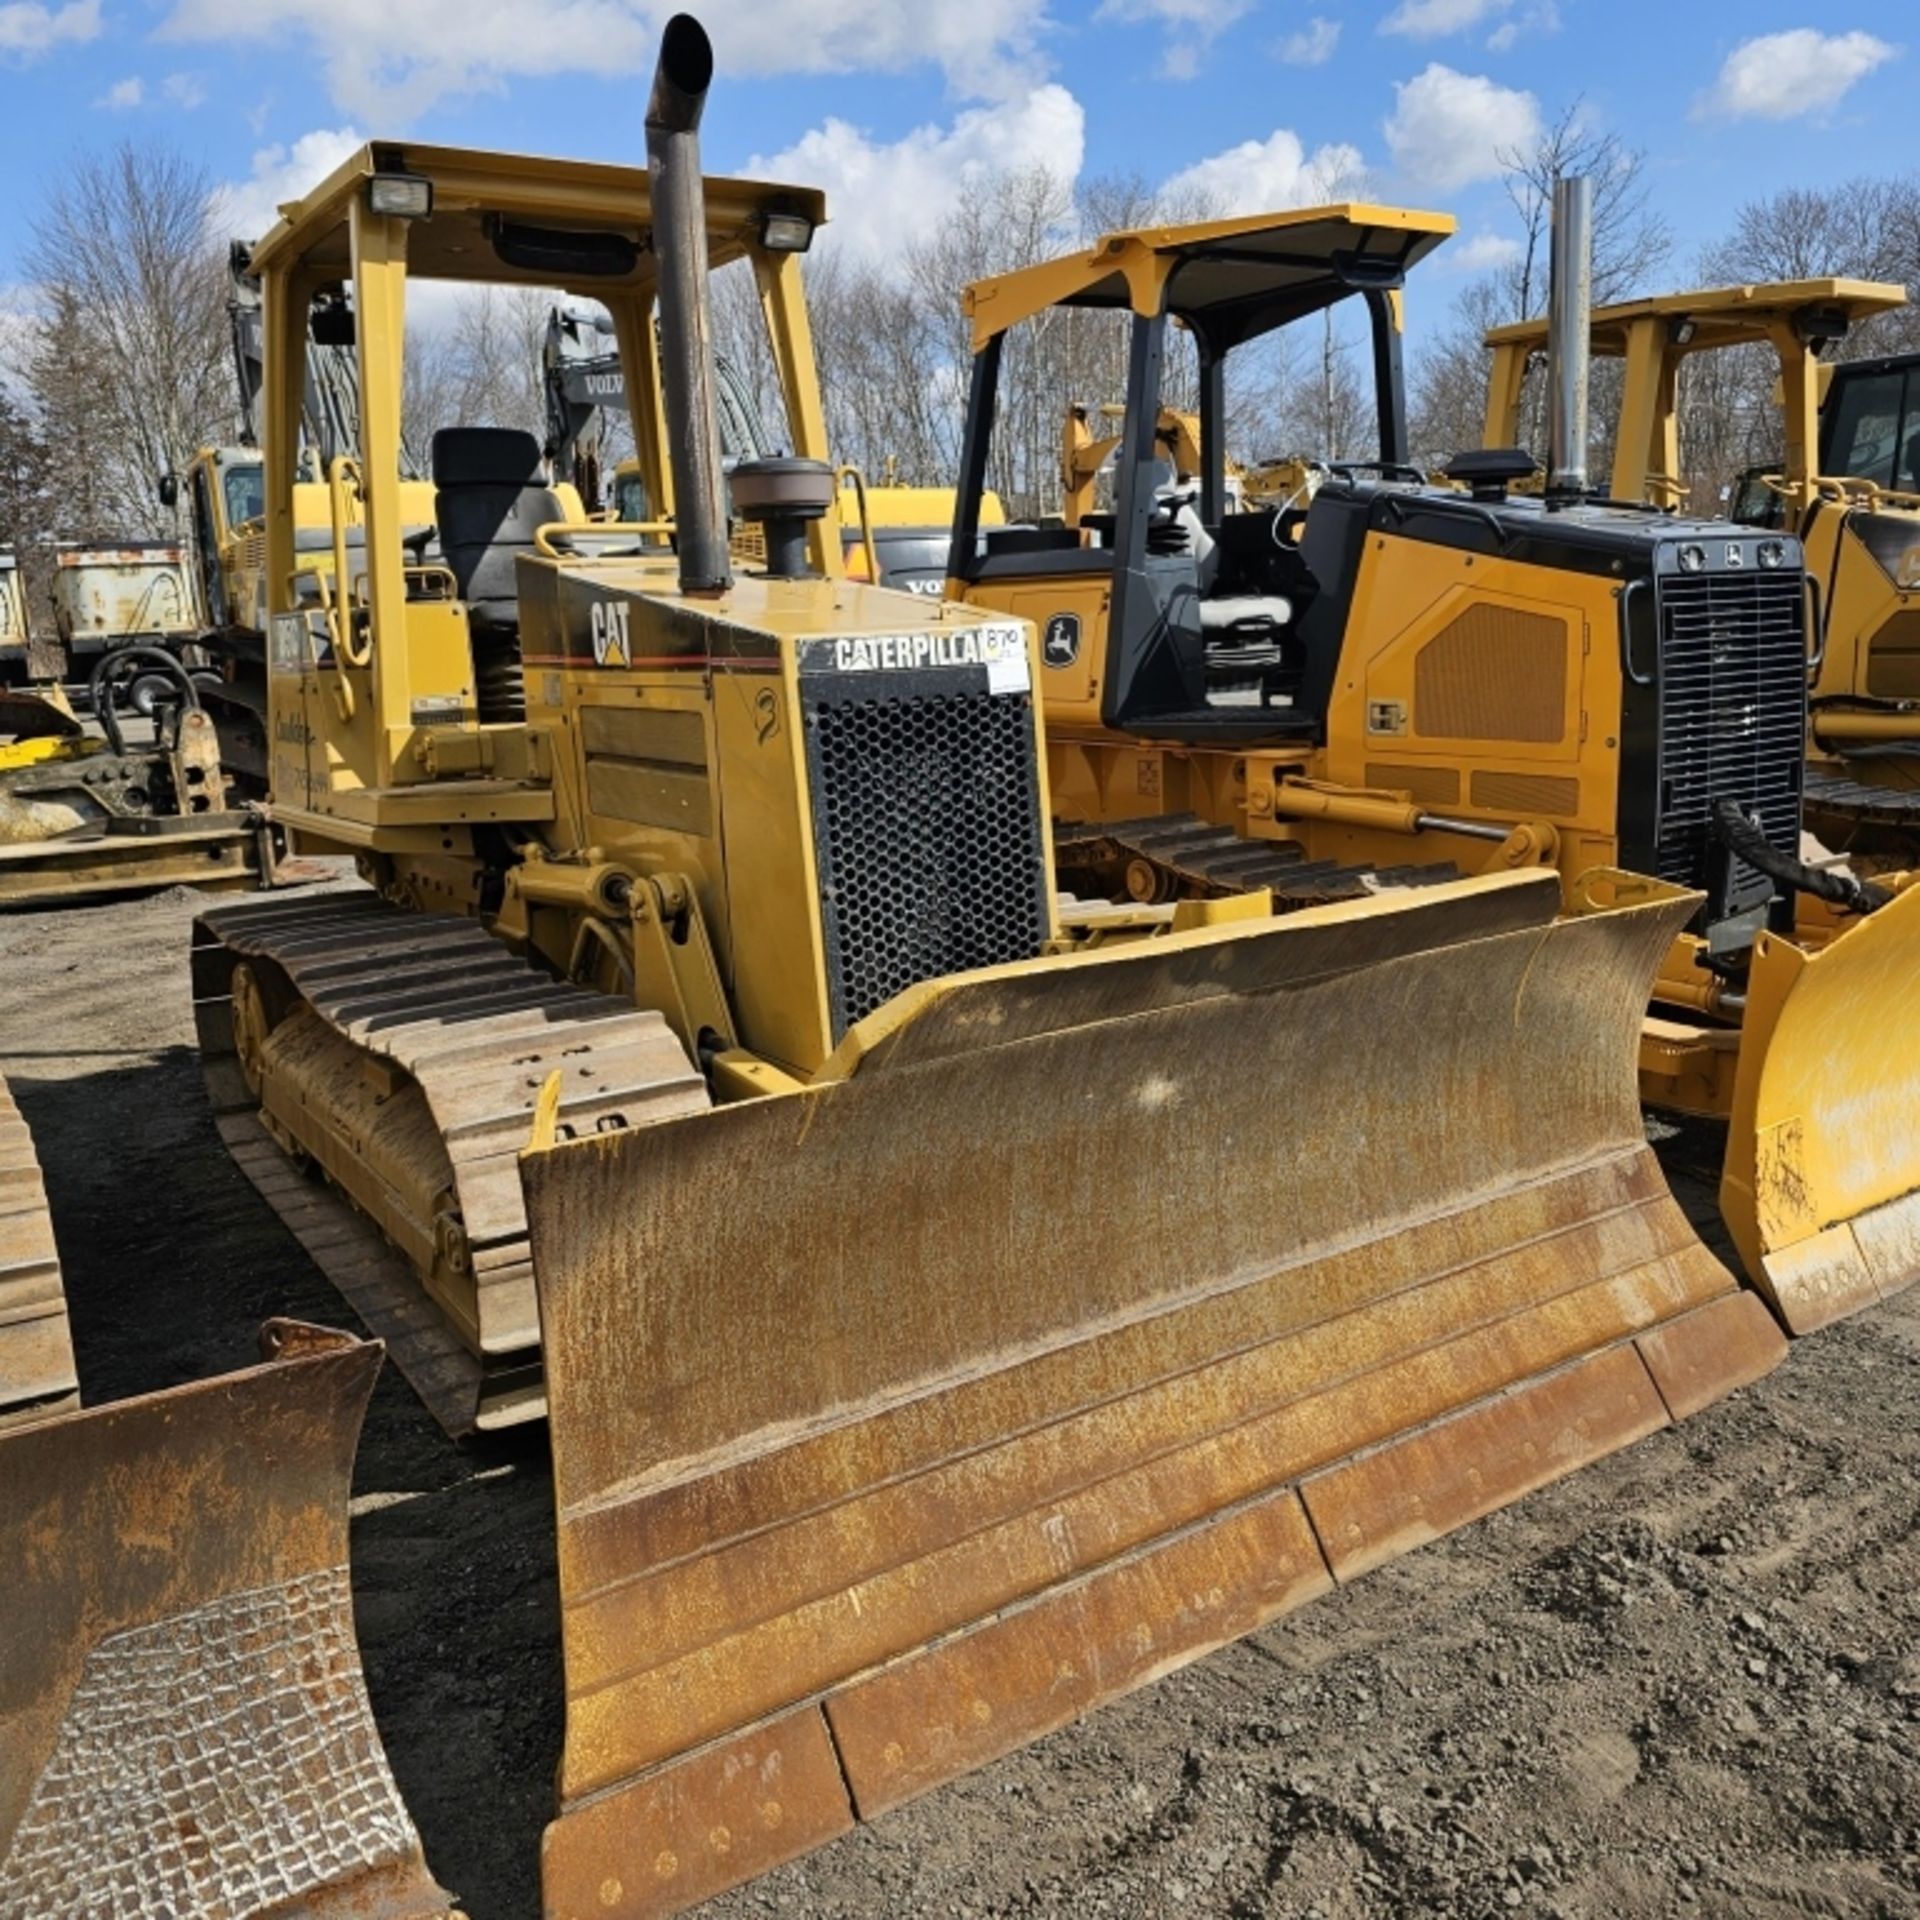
{"x": 953, "y": 1303}
{"x": 1847, "y": 486}
{"x": 1390, "y": 682}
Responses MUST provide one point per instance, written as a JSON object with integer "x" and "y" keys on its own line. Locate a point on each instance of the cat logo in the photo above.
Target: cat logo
{"x": 1061, "y": 645}
{"x": 1906, "y": 576}
{"x": 609, "y": 622}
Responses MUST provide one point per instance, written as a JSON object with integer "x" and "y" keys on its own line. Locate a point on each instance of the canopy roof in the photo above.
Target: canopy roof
{"x": 1721, "y": 316}
{"x": 1228, "y": 279}
{"x": 476, "y": 193}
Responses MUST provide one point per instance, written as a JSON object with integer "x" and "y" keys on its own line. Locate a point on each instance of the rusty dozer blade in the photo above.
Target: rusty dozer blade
{"x": 36, "y": 1349}
{"x": 184, "y": 1728}
{"x": 1821, "y": 1183}
{"x": 1093, "y": 1312}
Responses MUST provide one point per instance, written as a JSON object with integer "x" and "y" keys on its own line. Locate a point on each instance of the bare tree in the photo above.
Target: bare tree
{"x": 128, "y": 360}
{"x": 1630, "y": 240}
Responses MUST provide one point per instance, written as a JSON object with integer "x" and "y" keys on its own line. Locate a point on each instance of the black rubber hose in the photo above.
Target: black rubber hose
{"x": 100, "y": 696}
{"x": 1738, "y": 833}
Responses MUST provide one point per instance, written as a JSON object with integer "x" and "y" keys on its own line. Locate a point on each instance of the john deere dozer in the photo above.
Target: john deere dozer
{"x": 955, "y": 1304}
{"x": 1397, "y": 679}
{"x": 1848, "y": 487}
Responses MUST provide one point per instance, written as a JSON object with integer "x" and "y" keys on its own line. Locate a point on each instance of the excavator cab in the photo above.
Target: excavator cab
{"x": 1184, "y": 612}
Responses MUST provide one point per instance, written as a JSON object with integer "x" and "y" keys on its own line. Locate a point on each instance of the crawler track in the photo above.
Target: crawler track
{"x": 1179, "y": 855}
{"x": 470, "y": 1032}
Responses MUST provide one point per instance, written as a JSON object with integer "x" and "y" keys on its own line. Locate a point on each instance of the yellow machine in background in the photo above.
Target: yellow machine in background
{"x": 1392, "y": 682}
{"x": 1848, "y": 487}
{"x": 931, "y": 1347}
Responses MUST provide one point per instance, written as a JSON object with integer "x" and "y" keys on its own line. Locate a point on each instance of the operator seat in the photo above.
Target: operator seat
{"x": 489, "y": 500}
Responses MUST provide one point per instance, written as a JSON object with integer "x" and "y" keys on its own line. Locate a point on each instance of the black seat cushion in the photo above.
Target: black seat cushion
{"x": 489, "y": 501}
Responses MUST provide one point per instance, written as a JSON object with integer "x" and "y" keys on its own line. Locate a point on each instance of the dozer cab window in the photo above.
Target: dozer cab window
{"x": 1756, "y": 504}
{"x": 1873, "y": 429}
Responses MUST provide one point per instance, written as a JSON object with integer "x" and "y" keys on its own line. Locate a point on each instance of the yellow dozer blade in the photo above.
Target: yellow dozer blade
{"x": 183, "y": 1724}
{"x": 1821, "y": 1185}
{"x": 1091, "y": 1313}
{"x": 36, "y": 1349}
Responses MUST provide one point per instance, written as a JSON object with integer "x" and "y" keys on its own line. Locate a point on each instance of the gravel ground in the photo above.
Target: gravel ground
{"x": 1684, "y": 1681}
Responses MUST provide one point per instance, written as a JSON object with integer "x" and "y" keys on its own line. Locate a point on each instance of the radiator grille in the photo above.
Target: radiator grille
{"x": 1733, "y": 702}
{"x": 927, "y": 832}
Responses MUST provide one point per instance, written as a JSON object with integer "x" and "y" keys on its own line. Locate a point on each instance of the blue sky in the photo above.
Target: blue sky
{"x": 895, "y": 107}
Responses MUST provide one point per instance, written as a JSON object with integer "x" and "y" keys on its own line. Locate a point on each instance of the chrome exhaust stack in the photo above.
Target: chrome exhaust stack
{"x": 1569, "y": 338}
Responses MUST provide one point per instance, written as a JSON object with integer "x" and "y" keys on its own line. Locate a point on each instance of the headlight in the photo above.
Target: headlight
{"x": 1773, "y": 553}
{"x": 1693, "y": 558}
{"x": 786, "y": 232}
{"x": 401, "y": 196}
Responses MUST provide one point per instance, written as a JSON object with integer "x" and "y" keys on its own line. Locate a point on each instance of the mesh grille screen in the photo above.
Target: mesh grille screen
{"x": 1431, "y": 786}
{"x": 927, "y": 833}
{"x": 1733, "y": 699}
{"x": 1493, "y": 673}
{"x": 1527, "y": 793}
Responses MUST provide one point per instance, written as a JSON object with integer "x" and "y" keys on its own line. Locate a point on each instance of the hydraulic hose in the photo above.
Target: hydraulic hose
{"x": 115, "y": 662}
{"x": 1739, "y": 834}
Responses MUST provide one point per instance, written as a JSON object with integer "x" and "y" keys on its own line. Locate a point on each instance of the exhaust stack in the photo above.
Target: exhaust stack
{"x": 680, "y": 83}
{"x": 1569, "y": 342}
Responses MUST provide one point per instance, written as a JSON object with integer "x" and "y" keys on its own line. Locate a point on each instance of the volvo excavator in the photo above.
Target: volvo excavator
{"x": 952, "y": 1303}
{"x": 1847, "y": 487}
{"x": 1392, "y": 679}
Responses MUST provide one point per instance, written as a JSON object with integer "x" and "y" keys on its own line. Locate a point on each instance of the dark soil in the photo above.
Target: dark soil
{"x": 1684, "y": 1681}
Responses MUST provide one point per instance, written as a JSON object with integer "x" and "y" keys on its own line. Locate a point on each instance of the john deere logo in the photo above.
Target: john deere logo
{"x": 1061, "y": 647}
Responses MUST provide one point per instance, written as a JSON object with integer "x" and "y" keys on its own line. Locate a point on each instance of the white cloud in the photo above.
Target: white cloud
{"x": 1261, "y": 175}
{"x": 1313, "y": 45}
{"x": 1483, "y": 253}
{"x": 388, "y": 66}
{"x": 29, "y": 27}
{"x": 185, "y": 90}
{"x": 1781, "y": 76}
{"x": 1193, "y": 26}
{"x": 881, "y": 193}
{"x": 123, "y": 95}
{"x": 245, "y": 209}
{"x": 1449, "y": 129}
{"x": 1435, "y": 19}
{"x": 1541, "y": 16}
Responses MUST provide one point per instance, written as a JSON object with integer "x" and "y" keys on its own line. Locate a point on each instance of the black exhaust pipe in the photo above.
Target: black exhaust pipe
{"x": 680, "y": 83}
